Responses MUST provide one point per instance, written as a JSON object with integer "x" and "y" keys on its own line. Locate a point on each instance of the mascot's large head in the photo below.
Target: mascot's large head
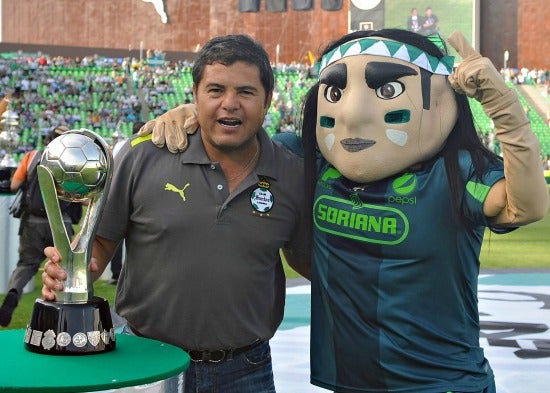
{"x": 382, "y": 104}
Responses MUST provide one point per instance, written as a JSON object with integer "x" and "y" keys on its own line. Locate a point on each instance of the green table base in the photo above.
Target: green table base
{"x": 135, "y": 361}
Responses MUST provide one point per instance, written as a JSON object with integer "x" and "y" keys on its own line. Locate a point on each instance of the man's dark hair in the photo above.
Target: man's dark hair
{"x": 59, "y": 130}
{"x": 229, "y": 49}
{"x": 136, "y": 127}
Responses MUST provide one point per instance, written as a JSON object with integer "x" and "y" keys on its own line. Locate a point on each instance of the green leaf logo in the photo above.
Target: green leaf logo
{"x": 405, "y": 184}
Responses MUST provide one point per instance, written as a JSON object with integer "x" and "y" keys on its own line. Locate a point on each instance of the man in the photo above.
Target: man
{"x": 430, "y": 24}
{"x": 34, "y": 229}
{"x": 413, "y": 21}
{"x": 203, "y": 228}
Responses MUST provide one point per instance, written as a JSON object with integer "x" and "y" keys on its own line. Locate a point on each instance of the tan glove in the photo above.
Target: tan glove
{"x": 524, "y": 197}
{"x": 171, "y": 128}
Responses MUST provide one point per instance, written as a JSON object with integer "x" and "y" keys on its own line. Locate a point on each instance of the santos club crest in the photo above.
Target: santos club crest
{"x": 261, "y": 200}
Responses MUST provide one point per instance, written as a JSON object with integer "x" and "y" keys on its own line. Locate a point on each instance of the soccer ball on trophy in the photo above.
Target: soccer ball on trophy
{"x": 78, "y": 166}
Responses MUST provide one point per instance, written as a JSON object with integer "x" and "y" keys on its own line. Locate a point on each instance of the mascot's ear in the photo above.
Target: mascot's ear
{"x": 439, "y": 121}
{"x": 444, "y": 104}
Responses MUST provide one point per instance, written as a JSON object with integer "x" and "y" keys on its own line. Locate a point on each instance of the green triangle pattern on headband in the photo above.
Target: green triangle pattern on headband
{"x": 394, "y": 49}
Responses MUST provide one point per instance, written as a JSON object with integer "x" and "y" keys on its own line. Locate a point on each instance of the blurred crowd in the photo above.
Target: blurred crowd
{"x": 110, "y": 95}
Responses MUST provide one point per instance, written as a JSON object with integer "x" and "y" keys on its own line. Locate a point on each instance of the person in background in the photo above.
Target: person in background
{"x": 203, "y": 228}
{"x": 430, "y": 23}
{"x": 413, "y": 21}
{"x": 34, "y": 232}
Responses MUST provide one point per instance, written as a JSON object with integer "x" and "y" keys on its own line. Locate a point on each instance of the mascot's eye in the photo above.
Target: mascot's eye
{"x": 333, "y": 94}
{"x": 390, "y": 90}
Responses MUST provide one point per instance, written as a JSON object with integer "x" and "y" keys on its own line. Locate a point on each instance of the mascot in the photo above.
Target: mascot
{"x": 401, "y": 191}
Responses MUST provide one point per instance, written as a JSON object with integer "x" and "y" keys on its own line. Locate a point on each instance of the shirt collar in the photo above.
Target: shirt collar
{"x": 196, "y": 154}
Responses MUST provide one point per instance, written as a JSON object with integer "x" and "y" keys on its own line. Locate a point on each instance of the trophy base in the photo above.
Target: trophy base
{"x": 70, "y": 328}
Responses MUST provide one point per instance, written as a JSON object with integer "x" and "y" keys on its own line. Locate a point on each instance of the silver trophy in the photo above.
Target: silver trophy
{"x": 9, "y": 137}
{"x": 9, "y": 142}
{"x": 75, "y": 167}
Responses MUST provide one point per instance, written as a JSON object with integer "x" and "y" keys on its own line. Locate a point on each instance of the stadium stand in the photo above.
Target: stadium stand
{"x": 108, "y": 95}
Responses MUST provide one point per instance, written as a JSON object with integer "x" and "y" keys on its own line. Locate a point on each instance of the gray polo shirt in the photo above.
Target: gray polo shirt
{"x": 203, "y": 269}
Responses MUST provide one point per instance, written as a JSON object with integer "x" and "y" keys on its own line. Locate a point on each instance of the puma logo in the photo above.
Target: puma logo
{"x": 171, "y": 187}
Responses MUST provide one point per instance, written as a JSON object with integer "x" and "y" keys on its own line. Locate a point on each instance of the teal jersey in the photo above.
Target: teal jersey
{"x": 394, "y": 284}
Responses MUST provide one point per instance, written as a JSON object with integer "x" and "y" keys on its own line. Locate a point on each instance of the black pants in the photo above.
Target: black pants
{"x": 34, "y": 235}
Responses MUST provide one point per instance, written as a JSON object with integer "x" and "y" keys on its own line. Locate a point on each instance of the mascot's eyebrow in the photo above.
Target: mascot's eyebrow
{"x": 336, "y": 76}
{"x": 379, "y": 73}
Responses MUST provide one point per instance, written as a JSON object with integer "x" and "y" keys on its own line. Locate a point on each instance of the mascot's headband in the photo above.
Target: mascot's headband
{"x": 394, "y": 49}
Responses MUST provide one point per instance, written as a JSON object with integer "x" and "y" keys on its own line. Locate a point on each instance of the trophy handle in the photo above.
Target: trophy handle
{"x": 78, "y": 285}
{"x": 51, "y": 203}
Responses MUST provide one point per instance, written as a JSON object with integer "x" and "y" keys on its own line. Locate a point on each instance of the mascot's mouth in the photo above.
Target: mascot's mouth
{"x": 356, "y": 144}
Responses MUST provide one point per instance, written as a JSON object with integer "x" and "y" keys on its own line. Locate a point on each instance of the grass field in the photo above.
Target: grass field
{"x": 527, "y": 247}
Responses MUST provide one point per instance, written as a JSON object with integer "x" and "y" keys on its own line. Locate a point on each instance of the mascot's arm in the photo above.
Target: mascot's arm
{"x": 172, "y": 127}
{"x": 522, "y": 196}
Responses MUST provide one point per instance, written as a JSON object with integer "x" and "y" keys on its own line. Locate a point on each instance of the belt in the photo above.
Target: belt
{"x": 219, "y": 355}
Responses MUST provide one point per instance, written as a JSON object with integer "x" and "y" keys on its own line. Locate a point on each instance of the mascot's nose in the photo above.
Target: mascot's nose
{"x": 359, "y": 112}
